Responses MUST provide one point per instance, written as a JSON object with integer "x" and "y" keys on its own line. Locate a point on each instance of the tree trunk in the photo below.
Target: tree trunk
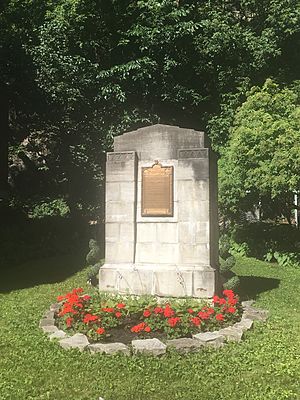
{"x": 3, "y": 142}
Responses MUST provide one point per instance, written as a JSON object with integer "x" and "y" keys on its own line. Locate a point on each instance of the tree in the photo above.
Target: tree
{"x": 262, "y": 161}
{"x": 88, "y": 70}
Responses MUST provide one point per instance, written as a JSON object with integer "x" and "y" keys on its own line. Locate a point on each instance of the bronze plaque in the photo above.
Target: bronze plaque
{"x": 157, "y": 191}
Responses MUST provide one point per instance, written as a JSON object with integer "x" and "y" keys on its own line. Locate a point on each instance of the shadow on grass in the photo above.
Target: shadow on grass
{"x": 43, "y": 271}
{"x": 252, "y": 286}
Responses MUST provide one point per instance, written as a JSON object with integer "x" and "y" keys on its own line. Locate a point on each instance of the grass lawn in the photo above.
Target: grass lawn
{"x": 266, "y": 365}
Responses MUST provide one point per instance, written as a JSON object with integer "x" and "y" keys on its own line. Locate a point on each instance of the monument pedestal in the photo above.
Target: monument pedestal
{"x": 161, "y": 214}
{"x": 159, "y": 280}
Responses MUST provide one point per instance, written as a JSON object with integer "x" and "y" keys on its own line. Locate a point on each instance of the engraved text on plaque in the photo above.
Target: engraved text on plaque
{"x": 157, "y": 191}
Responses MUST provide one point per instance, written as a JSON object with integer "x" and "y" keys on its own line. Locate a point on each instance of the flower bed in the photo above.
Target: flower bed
{"x": 104, "y": 318}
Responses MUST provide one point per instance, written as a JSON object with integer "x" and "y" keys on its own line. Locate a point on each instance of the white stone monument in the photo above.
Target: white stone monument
{"x": 161, "y": 214}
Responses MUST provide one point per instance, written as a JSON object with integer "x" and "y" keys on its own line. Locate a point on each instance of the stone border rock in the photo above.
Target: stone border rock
{"x": 155, "y": 347}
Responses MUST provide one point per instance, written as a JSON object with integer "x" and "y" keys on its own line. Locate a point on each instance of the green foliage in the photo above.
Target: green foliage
{"x": 80, "y": 72}
{"x": 57, "y": 207}
{"x": 93, "y": 272}
{"x": 269, "y": 350}
{"x": 232, "y": 283}
{"x": 261, "y": 164}
{"x": 228, "y": 264}
{"x": 262, "y": 240}
{"x": 94, "y": 254}
{"x": 283, "y": 259}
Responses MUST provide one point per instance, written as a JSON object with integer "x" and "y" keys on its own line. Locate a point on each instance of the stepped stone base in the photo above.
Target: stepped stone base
{"x": 163, "y": 280}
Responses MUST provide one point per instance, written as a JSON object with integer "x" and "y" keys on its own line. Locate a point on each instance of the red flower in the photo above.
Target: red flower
{"x": 138, "y": 328}
{"x": 147, "y": 313}
{"x": 231, "y": 310}
{"x": 220, "y": 317}
{"x": 60, "y": 298}
{"x": 222, "y": 301}
{"x": 196, "y": 321}
{"x": 203, "y": 315}
{"x": 228, "y": 293}
{"x": 69, "y": 322}
{"x": 168, "y": 312}
{"x": 190, "y": 311}
{"x": 89, "y": 318}
{"x": 216, "y": 299}
{"x": 232, "y": 302}
{"x": 78, "y": 290}
{"x": 120, "y": 305}
{"x": 108, "y": 309}
{"x": 118, "y": 314}
{"x": 210, "y": 311}
{"x": 158, "y": 310}
{"x": 173, "y": 321}
{"x": 86, "y": 297}
{"x": 147, "y": 329}
{"x": 100, "y": 331}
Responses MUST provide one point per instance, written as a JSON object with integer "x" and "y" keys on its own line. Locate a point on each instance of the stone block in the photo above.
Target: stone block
{"x": 204, "y": 282}
{"x": 195, "y": 169}
{"x": 210, "y": 339}
{"x": 193, "y": 232}
{"x": 77, "y": 341}
{"x": 58, "y": 335}
{"x": 49, "y": 315}
{"x": 194, "y": 254}
{"x": 119, "y": 252}
{"x": 46, "y": 322}
{"x": 112, "y": 191}
{"x": 112, "y": 232}
{"x": 189, "y": 190}
{"x": 192, "y": 210}
{"x": 152, "y": 347}
{"x": 162, "y": 253}
{"x": 109, "y": 348}
{"x": 119, "y": 211}
{"x": 232, "y": 333}
{"x": 247, "y": 303}
{"x": 146, "y": 232}
{"x": 167, "y": 232}
{"x": 244, "y": 324}
{"x": 49, "y": 328}
{"x": 55, "y": 307}
{"x": 185, "y": 345}
{"x": 126, "y": 232}
{"x": 255, "y": 314}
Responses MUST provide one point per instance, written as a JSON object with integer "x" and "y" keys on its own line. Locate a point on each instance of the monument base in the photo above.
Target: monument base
{"x": 161, "y": 280}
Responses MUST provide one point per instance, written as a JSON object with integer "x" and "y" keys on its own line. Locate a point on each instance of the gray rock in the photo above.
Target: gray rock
{"x": 244, "y": 324}
{"x": 210, "y": 339}
{"x": 149, "y": 346}
{"x": 231, "y": 333}
{"x": 109, "y": 348}
{"x": 185, "y": 345}
{"x": 78, "y": 341}
{"x": 46, "y": 322}
{"x": 49, "y": 315}
{"x": 49, "y": 328}
{"x": 247, "y": 303}
{"x": 255, "y": 314}
{"x": 58, "y": 335}
{"x": 55, "y": 307}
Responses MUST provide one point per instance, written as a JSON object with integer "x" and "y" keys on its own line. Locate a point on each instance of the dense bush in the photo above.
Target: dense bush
{"x": 272, "y": 242}
{"x": 227, "y": 262}
{"x": 26, "y": 239}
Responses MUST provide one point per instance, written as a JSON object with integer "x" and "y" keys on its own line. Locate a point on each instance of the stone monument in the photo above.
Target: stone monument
{"x": 161, "y": 214}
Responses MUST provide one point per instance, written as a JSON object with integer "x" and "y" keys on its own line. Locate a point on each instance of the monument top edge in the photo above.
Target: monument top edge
{"x": 161, "y": 128}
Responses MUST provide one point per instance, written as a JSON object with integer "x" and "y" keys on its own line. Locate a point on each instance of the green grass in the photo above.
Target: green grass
{"x": 266, "y": 365}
